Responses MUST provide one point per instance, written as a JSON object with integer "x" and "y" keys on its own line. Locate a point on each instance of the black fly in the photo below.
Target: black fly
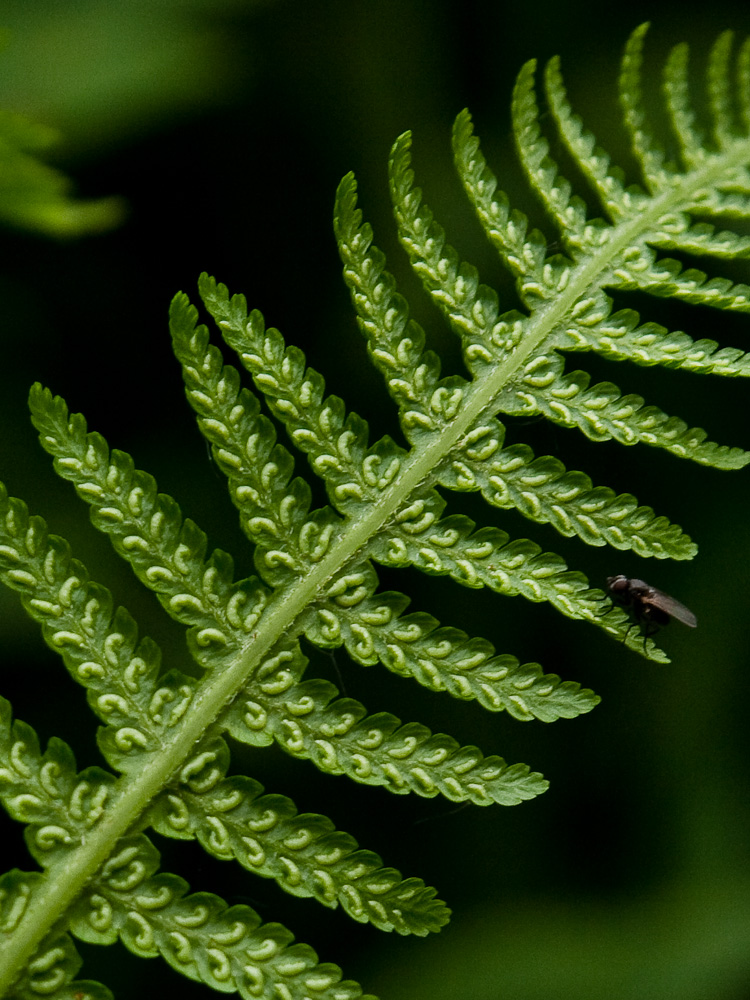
{"x": 649, "y": 608}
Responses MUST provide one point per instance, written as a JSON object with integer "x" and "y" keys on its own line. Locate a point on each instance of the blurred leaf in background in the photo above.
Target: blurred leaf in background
{"x": 105, "y": 72}
{"x": 34, "y": 196}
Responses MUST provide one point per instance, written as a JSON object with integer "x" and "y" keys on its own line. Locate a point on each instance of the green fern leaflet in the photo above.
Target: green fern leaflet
{"x": 163, "y": 733}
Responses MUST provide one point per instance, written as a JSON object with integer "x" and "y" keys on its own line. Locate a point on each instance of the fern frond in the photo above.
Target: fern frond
{"x": 202, "y": 937}
{"x": 395, "y": 343}
{"x": 567, "y": 211}
{"x": 99, "y": 645}
{"x": 668, "y": 279}
{"x": 335, "y": 443}
{"x": 52, "y": 971}
{"x": 336, "y": 734}
{"x": 64, "y": 813}
{"x": 317, "y": 568}
{"x": 678, "y": 105}
{"x": 274, "y": 508}
{"x": 646, "y": 149}
{"x": 281, "y": 373}
{"x": 593, "y": 162}
{"x": 304, "y": 854}
{"x": 621, "y": 338}
{"x": 719, "y": 88}
{"x": 603, "y": 414}
{"x": 426, "y": 239}
{"x": 147, "y": 529}
{"x": 192, "y": 591}
{"x": 42, "y": 790}
{"x": 446, "y": 659}
{"x": 543, "y": 490}
{"x": 503, "y": 480}
{"x": 471, "y": 308}
{"x": 522, "y": 252}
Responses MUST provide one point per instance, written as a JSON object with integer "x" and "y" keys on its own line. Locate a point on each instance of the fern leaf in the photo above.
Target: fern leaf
{"x": 99, "y": 645}
{"x": 646, "y": 149}
{"x": 446, "y": 659}
{"x": 44, "y": 792}
{"x": 64, "y": 811}
{"x": 147, "y": 530}
{"x": 225, "y": 947}
{"x": 336, "y": 443}
{"x": 567, "y": 211}
{"x": 668, "y": 279}
{"x": 446, "y": 279}
{"x": 487, "y": 558}
{"x": 470, "y": 308}
{"x": 52, "y": 971}
{"x": 543, "y": 490}
{"x": 395, "y": 343}
{"x": 382, "y": 314}
{"x": 743, "y": 84}
{"x": 621, "y": 338}
{"x": 70, "y": 616}
{"x": 274, "y": 508}
{"x": 337, "y": 735}
{"x": 702, "y": 239}
{"x": 193, "y": 591}
{"x": 718, "y": 86}
{"x": 678, "y": 104}
{"x": 603, "y": 414}
{"x": 304, "y": 854}
{"x": 522, "y": 253}
{"x": 267, "y": 359}
{"x": 593, "y": 162}
{"x": 316, "y": 568}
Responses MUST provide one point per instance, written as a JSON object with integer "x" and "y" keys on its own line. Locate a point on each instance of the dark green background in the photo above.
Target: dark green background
{"x": 226, "y": 126}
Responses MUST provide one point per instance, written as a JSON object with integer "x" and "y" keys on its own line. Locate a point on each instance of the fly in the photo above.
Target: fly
{"x": 649, "y": 608}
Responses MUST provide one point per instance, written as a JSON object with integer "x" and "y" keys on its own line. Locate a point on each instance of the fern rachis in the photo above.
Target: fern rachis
{"x": 315, "y": 575}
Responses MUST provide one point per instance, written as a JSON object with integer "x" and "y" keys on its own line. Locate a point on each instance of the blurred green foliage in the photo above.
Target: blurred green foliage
{"x": 34, "y": 196}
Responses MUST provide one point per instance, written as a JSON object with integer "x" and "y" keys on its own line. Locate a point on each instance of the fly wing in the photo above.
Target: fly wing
{"x": 672, "y": 607}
